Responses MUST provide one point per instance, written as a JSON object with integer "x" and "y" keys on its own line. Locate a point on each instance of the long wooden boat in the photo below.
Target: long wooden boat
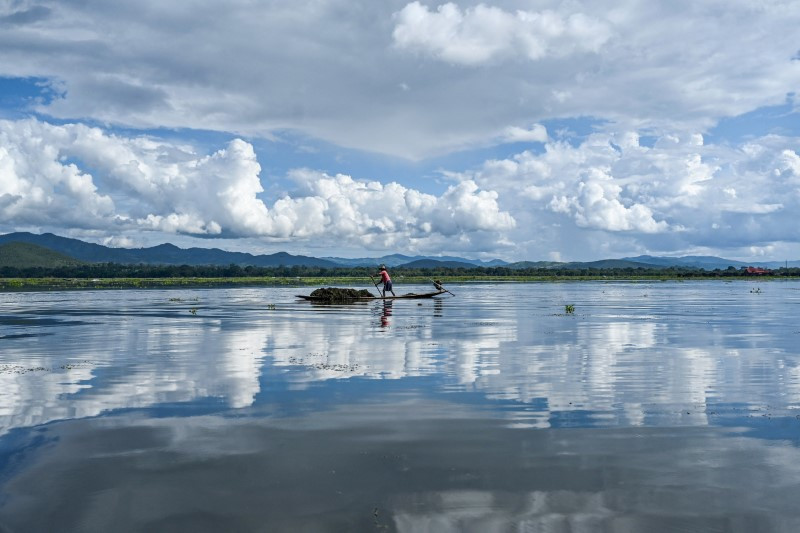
{"x": 408, "y": 296}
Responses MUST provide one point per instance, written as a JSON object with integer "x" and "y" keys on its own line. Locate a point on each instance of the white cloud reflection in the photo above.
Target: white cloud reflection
{"x": 637, "y": 368}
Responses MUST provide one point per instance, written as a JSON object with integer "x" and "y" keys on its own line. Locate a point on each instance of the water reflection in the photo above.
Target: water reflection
{"x": 399, "y": 466}
{"x": 129, "y": 362}
{"x": 653, "y": 406}
{"x": 652, "y": 365}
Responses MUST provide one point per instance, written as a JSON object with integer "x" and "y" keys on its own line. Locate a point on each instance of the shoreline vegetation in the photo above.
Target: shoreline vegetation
{"x": 116, "y": 276}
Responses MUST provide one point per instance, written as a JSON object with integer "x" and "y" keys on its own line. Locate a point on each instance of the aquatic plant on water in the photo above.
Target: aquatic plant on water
{"x": 332, "y": 294}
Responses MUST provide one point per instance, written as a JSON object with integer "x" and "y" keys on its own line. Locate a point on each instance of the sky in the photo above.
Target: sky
{"x": 521, "y": 130}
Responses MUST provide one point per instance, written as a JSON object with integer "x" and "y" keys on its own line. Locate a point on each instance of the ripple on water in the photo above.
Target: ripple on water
{"x": 650, "y": 398}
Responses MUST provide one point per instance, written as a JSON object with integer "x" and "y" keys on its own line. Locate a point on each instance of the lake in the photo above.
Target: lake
{"x": 654, "y": 406}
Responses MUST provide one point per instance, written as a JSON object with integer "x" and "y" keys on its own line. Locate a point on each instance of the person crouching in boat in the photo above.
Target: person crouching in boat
{"x": 387, "y": 281}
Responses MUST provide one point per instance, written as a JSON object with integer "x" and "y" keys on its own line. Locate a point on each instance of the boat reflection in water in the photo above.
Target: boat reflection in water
{"x": 653, "y": 407}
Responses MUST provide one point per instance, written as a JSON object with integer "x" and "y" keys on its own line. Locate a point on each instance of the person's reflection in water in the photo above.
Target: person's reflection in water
{"x": 387, "y": 312}
{"x": 437, "y": 307}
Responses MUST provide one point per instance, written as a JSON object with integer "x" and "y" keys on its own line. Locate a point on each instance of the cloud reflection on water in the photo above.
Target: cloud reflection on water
{"x": 492, "y": 411}
{"x": 412, "y": 465}
{"x": 662, "y": 360}
{"x": 130, "y": 363}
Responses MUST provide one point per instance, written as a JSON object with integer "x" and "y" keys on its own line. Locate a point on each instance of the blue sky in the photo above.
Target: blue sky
{"x": 511, "y": 129}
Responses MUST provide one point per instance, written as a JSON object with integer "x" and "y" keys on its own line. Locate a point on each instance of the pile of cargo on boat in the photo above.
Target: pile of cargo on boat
{"x": 333, "y": 295}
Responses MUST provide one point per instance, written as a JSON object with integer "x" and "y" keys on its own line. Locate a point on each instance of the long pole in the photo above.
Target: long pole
{"x": 376, "y": 285}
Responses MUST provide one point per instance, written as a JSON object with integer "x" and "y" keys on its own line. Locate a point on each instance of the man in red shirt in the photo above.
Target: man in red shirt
{"x": 387, "y": 281}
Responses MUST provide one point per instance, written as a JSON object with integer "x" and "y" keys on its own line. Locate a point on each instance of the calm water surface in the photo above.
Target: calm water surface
{"x": 654, "y": 407}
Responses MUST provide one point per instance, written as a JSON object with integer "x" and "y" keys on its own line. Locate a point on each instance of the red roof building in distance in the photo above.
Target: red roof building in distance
{"x": 757, "y": 271}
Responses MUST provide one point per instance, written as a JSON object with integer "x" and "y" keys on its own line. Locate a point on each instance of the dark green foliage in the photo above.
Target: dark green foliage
{"x": 332, "y": 294}
{"x": 114, "y": 270}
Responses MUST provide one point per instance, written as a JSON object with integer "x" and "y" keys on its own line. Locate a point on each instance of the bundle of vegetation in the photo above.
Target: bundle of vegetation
{"x": 333, "y": 295}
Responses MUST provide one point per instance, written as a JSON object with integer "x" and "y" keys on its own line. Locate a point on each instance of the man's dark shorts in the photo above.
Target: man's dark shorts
{"x": 387, "y": 286}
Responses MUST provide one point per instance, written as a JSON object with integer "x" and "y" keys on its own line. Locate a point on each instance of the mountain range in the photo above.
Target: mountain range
{"x": 163, "y": 254}
{"x": 25, "y": 255}
{"x": 399, "y": 259}
{"x": 62, "y": 250}
{"x": 707, "y": 262}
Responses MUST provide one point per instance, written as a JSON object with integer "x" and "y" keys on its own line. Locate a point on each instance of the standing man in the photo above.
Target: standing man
{"x": 387, "y": 281}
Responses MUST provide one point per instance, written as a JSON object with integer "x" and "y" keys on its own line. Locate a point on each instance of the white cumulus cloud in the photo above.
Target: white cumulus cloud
{"x": 373, "y": 210}
{"x": 597, "y": 204}
{"x": 676, "y": 194}
{"x": 76, "y": 176}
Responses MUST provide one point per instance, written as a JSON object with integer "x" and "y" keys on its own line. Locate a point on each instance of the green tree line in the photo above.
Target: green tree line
{"x": 114, "y": 270}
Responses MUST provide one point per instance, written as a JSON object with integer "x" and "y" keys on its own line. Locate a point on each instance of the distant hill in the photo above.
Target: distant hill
{"x": 698, "y": 261}
{"x": 395, "y": 260}
{"x": 614, "y": 263}
{"x": 650, "y": 262}
{"x": 707, "y": 262}
{"x": 388, "y": 260}
{"x": 534, "y": 264}
{"x": 603, "y": 263}
{"x": 23, "y": 254}
{"x": 168, "y": 254}
{"x": 433, "y": 263}
{"x": 84, "y": 251}
{"x": 163, "y": 254}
